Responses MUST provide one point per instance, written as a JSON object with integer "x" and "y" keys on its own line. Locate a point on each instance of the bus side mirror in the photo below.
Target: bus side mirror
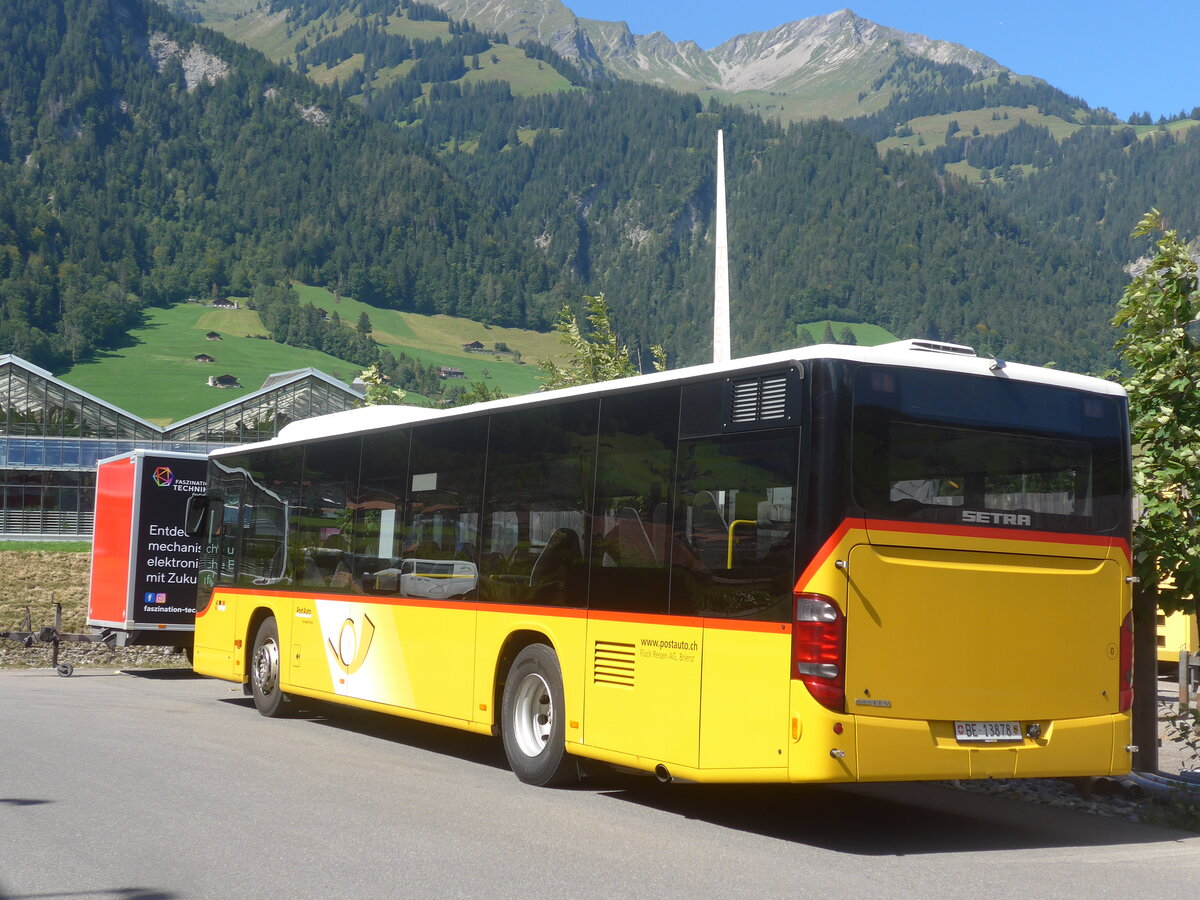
{"x": 195, "y": 518}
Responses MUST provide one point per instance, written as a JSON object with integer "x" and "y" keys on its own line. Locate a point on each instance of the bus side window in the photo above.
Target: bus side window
{"x": 532, "y": 550}
{"x": 444, "y": 495}
{"x": 735, "y": 525}
{"x": 326, "y": 533}
{"x": 631, "y": 535}
{"x": 379, "y": 516}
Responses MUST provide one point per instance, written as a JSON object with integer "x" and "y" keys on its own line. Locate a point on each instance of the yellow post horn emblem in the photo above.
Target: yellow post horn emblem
{"x": 351, "y": 649}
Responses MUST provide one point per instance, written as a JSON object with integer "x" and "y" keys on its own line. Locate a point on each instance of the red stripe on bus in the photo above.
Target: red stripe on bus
{"x": 752, "y": 625}
{"x": 827, "y": 549}
{"x": 949, "y": 530}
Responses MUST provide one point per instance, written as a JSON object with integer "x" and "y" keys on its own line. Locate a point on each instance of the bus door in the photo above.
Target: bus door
{"x": 216, "y": 616}
{"x": 733, "y": 564}
{"x": 387, "y": 566}
{"x": 642, "y": 668}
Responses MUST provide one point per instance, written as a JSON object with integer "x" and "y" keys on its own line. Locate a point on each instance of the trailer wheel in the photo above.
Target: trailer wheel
{"x": 269, "y": 700}
{"x": 532, "y": 719}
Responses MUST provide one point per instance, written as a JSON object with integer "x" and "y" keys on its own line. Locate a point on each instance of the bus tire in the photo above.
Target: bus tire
{"x": 532, "y": 719}
{"x": 265, "y": 668}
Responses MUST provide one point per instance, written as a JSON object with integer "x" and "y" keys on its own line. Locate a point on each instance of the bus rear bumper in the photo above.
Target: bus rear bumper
{"x": 882, "y": 749}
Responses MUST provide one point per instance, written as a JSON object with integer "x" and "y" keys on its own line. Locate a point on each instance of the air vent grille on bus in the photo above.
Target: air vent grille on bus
{"x": 613, "y": 663}
{"x": 759, "y": 399}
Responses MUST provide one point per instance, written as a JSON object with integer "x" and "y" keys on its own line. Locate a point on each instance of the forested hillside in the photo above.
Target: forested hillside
{"x": 820, "y": 226}
{"x": 131, "y": 175}
{"x": 144, "y": 159}
{"x": 613, "y": 184}
{"x": 1095, "y": 186}
{"x": 923, "y": 88}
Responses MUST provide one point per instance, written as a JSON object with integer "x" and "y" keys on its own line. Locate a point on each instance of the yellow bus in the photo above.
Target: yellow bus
{"x": 1177, "y": 633}
{"x": 832, "y": 564}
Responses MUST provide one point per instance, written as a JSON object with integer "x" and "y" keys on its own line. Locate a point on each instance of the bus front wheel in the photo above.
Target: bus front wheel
{"x": 269, "y": 700}
{"x": 532, "y": 719}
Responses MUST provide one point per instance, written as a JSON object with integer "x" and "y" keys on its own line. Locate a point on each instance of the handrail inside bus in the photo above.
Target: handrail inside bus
{"x": 732, "y": 525}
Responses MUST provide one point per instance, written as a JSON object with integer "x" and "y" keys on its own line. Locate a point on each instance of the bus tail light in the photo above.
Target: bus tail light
{"x": 1126, "y": 677}
{"x": 819, "y": 649}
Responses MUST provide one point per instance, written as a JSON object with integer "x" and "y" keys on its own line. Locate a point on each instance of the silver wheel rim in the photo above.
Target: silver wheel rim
{"x": 532, "y": 715}
{"x": 265, "y": 667}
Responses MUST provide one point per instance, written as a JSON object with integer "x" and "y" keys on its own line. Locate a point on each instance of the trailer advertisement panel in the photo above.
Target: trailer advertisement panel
{"x": 164, "y": 580}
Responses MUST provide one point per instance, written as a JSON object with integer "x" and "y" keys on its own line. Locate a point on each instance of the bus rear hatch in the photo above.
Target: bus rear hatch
{"x": 972, "y": 636}
{"x": 990, "y": 584}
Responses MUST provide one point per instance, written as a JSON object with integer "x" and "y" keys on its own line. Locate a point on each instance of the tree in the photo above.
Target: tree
{"x": 1164, "y": 414}
{"x": 478, "y": 392}
{"x": 364, "y": 325}
{"x": 379, "y": 392}
{"x": 594, "y": 356}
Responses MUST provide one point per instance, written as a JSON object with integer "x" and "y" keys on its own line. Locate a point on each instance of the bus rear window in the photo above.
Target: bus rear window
{"x": 957, "y": 448}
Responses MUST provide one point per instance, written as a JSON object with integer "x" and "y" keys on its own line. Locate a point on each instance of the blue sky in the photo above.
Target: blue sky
{"x": 1127, "y": 56}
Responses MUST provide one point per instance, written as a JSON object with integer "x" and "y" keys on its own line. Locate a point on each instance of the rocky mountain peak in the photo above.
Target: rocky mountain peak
{"x": 783, "y": 59}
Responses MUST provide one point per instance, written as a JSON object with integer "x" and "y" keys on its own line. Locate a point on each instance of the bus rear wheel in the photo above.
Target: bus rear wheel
{"x": 532, "y": 719}
{"x": 269, "y": 700}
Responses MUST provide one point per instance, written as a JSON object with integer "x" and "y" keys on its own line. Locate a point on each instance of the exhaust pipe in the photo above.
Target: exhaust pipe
{"x": 661, "y": 773}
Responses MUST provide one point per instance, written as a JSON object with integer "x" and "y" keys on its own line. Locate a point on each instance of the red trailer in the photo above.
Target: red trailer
{"x": 144, "y": 566}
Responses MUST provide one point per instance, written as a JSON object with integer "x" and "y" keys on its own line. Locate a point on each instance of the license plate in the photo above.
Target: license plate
{"x": 987, "y": 732}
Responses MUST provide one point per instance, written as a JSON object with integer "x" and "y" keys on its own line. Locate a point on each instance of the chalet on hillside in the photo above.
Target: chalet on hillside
{"x": 451, "y": 372}
{"x": 203, "y": 358}
{"x": 223, "y": 381}
{"x": 473, "y": 347}
{"x": 223, "y": 303}
{"x": 212, "y": 336}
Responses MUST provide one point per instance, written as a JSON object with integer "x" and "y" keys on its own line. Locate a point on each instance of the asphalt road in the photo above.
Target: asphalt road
{"x": 163, "y": 785}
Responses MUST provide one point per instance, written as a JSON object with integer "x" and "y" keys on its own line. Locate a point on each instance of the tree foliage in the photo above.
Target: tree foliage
{"x": 478, "y": 392}
{"x": 596, "y": 354}
{"x": 379, "y": 392}
{"x": 1164, "y": 410}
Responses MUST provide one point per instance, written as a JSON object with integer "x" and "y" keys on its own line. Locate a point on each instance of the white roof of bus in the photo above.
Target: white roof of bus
{"x": 911, "y": 354}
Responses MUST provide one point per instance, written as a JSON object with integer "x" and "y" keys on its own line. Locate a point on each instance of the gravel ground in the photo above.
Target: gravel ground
{"x": 15, "y": 656}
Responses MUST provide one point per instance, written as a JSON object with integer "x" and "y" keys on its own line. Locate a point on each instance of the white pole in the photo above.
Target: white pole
{"x": 721, "y": 352}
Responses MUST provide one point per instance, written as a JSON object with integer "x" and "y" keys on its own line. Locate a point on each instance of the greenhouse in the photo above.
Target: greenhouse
{"x": 53, "y": 434}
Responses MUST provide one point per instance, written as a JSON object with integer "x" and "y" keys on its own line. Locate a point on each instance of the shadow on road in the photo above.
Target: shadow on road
{"x": 889, "y": 819}
{"x": 162, "y": 674}
{"x": 462, "y": 745}
{"x": 98, "y": 894}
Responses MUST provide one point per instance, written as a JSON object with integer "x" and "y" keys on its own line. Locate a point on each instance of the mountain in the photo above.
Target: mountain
{"x": 240, "y": 175}
{"x": 145, "y": 159}
{"x": 824, "y": 65}
{"x": 839, "y": 65}
{"x": 833, "y": 65}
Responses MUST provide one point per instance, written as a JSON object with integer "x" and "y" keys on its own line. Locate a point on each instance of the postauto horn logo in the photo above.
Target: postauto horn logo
{"x": 163, "y": 476}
